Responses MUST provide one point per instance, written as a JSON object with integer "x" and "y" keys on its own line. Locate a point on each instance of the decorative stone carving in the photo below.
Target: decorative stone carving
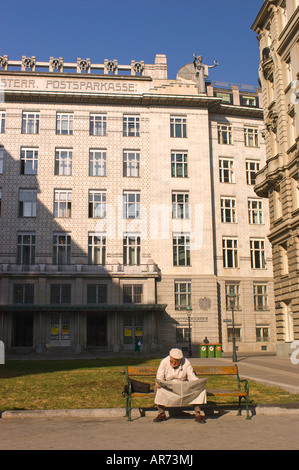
{"x": 83, "y": 65}
{"x": 28, "y": 63}
{"x": 204, "y": 303}
{"x": 3, "y": 62}
{"x": 56, "y": 64}
{"x": 111, "y": 66}
{"x": 271, "y": 121}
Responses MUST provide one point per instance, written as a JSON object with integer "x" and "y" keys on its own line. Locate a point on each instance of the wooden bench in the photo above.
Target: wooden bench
{"x": 201, "y": 371}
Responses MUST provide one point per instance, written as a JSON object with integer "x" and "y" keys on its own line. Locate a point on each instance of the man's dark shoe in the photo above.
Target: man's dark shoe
{"x": 200, "y": 419}
{"x": 160, "y": 417}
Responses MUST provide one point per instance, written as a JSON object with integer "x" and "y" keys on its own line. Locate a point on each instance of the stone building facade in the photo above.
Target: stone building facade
{"x": 277, "y": 25}
{"x": 127, "y": 202}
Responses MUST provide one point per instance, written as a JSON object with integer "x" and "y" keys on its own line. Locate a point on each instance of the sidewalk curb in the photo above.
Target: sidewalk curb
{"x": 120, "y": 412}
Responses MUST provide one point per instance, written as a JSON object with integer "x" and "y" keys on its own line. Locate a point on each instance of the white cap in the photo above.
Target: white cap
{"x": 176, "y": 353}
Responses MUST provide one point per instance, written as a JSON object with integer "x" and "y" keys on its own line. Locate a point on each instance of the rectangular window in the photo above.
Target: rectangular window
{"x": 62, "y": 203}
{"x": 26, "y": 249}
{"x": 64, "y": 123}
{"x": 131, "y": 205}
{"x": 232, "y": 288}
{"x": 97, "y": 204}
{"x": 182, "y": 294}
{"x": 228, "y": 210}
{"x": 226, "y": 170}
{"x": 2, "y": 122}
{"x": 230, "y": 252}
{"x": 178, "y": 126}
{"x": 1, "y": 160}
{"x": 181, "y": 250}
{"x": 255, "y": 211}
{"x": 63, "y": 162}
{"x": 30, "y": 123}
{"x": 97, "y": 248}
{"x": 248, "y": 101}
{"x": 29, "y": 158}
{"x": 97, "y": 124}
{"x": 23, "y": 293}
{"x": 96, "y": 293}
{"x": 252, "y": 167}
{"x": 97, "y": 162}
{"x": 257, "y": 254}
{"x": 132, "y": 293}
{"x": 27, "y": 202}
{"x": 262, "y": 333}
{"x": 180, "y": 205}
{"x": 131, "y": 249}
{"x": 251, "y": 136}
{"x": 61, "y": 249}
{"x": 60, "y": 294}
{"x": 230, "y": 333}
{"x": 260, "y": 294}
{"x": 182, "y": 334}
{"x": 224, "y": 134}
{"x": 179, "y": 165}
{"x": 131, "y": 163}
{"x": 131, "y": 126}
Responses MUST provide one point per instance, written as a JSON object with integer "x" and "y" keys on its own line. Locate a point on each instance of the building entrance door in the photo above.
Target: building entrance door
{"x": 60, "y": 330}
{"x": 22, "y": 331}
{"x": 96, "y": 331}
{"x": 133, "y": 331}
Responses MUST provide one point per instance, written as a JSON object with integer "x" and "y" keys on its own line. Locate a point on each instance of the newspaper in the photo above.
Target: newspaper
{"x": 181, "y": 393}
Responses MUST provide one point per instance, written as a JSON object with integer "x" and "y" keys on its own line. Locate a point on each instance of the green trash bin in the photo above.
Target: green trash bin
{"x": 211, "y": 350}
{"x": 218, "y": 350}
{"x": 203, "y": 350}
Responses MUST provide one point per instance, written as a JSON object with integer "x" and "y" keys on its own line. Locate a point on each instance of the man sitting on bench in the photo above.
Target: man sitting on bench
{"x": 171, "y": 389}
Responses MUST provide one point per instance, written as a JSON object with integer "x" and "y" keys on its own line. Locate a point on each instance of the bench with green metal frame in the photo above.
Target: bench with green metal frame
{"x": 201, "y": 371}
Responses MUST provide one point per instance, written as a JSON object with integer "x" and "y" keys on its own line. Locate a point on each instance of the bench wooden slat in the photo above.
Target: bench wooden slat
{"x": 215, "y": 370}
{"x": 225, "y": 393}
{"x": 142, "y": 371}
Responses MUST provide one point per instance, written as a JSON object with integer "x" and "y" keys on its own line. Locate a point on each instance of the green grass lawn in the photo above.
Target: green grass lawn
{"x": 97, "y": 383}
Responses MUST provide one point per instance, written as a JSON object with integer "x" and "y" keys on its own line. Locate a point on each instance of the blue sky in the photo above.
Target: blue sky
{"x": 136, "y": 29}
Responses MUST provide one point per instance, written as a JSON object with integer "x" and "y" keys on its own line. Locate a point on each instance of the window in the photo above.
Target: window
{"x": 27, "y": 202}
{"x": 228, "y": 210}
{"x": 232, "y": 288}
{"x": 96, "y": 293}
{"x": 251, "y": 137}
{"x": 131, "y": 126}
{"x": 131, "y": 249}
{"x": 255, "y": 211}
{"x": 180, "y": 205}
{"x": 178, "y": 126}
{"x": 97, "y": 162}
{"x": 257, "y": 253}
{"x": 29, "y": 157}
{"x": 230, "y": 252}
{"x": 97, "y": 248}
{"x": 224, "y": 134}
{"x": 248, "y": 101}
{"x": 179, "y": 165}
{"x": 262, "y": 333}
{"x": 252, "y": 167}
{"x": 63, "y": 162}
{"x": 260, "y": 295}
{"x": 131, "y": 163}
{"x": 61, "y": 249}
{"x": 2, "y": 122}
{"x": 181, "y": 250}
{"x": 230, "y": 334}
{"x": 182, "y": 294}
{"x": 64, "y": 123}
{"x": 26, "y": 249}
{"x": 132, "y": 293}
{"x": 30, "y": 123}
{"x": 97, "y": 124}
{"x": 60, "y": 293}
{"x": 284, "y": 262}
{"x": 23, "y": 293}
{"x": 1, "y": 159}
{"x": 182, "y": 334}
{"x": 226, "y": 170}
{"x": 62, "y": 203}
{"x": 97, "y": 204}
{"x": 131, "y": 205}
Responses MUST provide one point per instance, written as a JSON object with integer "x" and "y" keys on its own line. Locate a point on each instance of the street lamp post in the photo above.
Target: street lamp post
{"x": 189, "y": 311}
{"x": 232, "y": 298}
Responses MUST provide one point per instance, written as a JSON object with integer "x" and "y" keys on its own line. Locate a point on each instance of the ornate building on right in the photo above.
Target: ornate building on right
{"x": 277, "y": 26}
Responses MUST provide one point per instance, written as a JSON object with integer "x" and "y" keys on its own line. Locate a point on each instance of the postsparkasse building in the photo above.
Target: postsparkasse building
{"x": 127, "y": 204}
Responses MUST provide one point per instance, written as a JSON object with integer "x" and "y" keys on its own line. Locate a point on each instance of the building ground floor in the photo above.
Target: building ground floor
{"x": 161, "y": 312}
